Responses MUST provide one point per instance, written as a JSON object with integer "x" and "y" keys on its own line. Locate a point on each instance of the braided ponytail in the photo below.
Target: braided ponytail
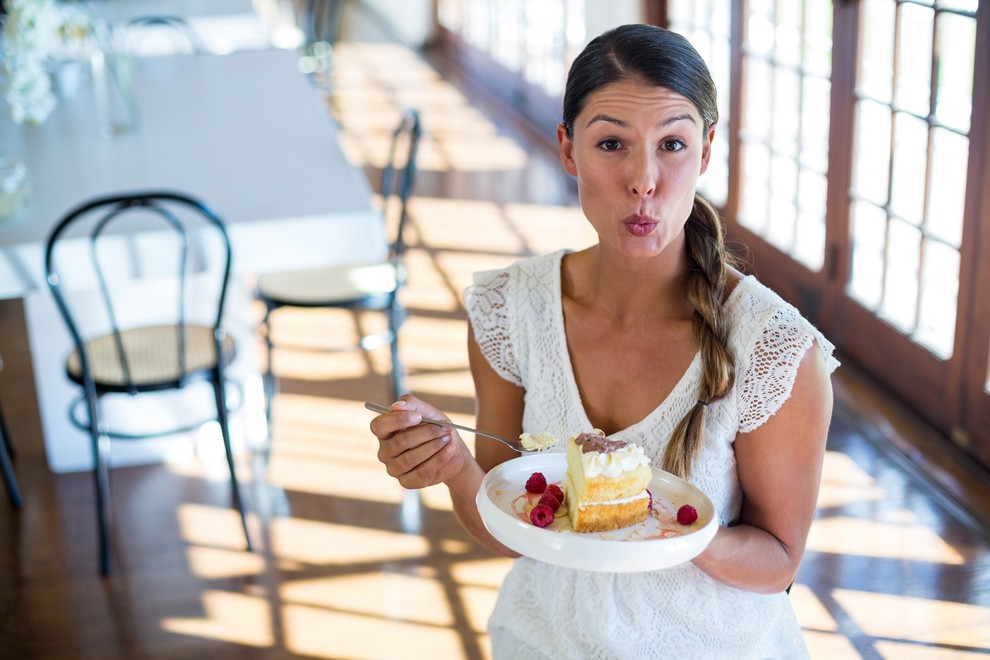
{"x": 706, "y": 288}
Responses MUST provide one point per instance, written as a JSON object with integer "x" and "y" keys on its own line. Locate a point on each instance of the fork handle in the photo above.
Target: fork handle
{"x": 374, "y": 407}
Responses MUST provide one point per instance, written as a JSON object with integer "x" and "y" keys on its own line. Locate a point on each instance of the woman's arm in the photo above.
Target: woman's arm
{"x": 779, "y": 465}
{"x": 420, "y": 455}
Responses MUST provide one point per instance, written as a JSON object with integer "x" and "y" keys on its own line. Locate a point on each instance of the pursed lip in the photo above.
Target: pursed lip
{"x": 640, "y": 225}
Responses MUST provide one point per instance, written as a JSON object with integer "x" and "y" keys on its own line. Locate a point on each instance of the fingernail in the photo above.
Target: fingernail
{"x": 445, "y": 438}
{"x": 400, "y": 403}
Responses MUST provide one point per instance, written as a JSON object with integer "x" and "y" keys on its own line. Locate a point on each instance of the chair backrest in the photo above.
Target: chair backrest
{"x": 138, "y": 259}
{"x": 399, "y": 177}
{"x": 160, "y": 34}
{"x": 325, "y": 20}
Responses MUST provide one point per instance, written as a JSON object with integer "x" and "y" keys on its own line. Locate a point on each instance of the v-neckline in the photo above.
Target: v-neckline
{"x": 575, "y": 391}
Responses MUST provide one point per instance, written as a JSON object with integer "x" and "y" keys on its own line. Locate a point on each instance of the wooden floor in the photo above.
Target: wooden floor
{"x": 350, "y": 565}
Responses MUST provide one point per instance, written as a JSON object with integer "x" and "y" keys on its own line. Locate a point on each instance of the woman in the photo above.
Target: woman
{"x": 652, "y": 336}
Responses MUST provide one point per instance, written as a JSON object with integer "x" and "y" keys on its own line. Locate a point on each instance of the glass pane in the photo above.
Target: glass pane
{"x": 939, "y": 282}
{"x": 759, "y": 29}
{"x": 783, "y": 195}
{"x": 872, "y": 151}
{"x": 756, "y": 165}
{"x": 907, "y": 186}
{"x": 815, "y": 123}
{"x": 756, "y": 121}
{"x": 788, "y": 34}
{"x": 818, "y": 37}
{"x": 707, "y": 26}
{"x": 507, "y": 46}
{"x": 786, "y": 96}
{"x": 809, "y": 243}
{"x": 950, "y": 155}
{"x": 877, "y": 68}
{"x": 914, "y": 59}
{"x": 869, "y": 229}
{"x": 957, "y": 49}
{"x": 965, "y": 5}
{"x": 900, "y": 296}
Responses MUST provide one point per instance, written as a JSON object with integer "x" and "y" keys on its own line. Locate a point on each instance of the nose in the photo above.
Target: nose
{"x": 643, "y": 173}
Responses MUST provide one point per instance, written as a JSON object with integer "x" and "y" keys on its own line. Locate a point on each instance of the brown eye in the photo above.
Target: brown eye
{"x": 610, "y": 144}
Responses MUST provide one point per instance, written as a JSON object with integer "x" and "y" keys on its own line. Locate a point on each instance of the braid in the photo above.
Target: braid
{"x": 705, "y": 286}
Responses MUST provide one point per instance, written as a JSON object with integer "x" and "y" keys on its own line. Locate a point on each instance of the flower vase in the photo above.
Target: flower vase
{"x": 15, "y": 186}
{"x": 113, "y": 83}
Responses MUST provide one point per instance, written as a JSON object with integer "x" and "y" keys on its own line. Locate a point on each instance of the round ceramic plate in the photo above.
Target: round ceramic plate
{"x": 659, "y": 542}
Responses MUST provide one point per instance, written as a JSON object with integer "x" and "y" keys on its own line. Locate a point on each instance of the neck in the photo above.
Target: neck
{"x": 631, "y": 289}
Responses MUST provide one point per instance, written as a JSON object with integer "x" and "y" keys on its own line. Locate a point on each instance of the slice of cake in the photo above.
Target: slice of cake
{"x": 605, "y": 483}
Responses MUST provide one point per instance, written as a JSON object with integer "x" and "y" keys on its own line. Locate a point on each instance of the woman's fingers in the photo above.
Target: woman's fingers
{"x": 415, "y": 453}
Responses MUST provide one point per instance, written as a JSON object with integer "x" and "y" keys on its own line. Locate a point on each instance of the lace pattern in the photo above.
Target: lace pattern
{"x": 518, "y": 322}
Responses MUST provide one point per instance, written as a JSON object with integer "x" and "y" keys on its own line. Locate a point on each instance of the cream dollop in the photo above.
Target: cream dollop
{"x": 537, "y": 441}
{"x": 613, "y": 463}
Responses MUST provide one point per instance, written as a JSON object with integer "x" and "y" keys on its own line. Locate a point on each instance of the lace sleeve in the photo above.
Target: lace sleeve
{"x": 771, "y": 365}
{"x": 489, "y": 312}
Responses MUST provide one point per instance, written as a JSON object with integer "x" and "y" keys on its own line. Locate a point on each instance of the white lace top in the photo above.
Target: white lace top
{"x": 547, "y": 611}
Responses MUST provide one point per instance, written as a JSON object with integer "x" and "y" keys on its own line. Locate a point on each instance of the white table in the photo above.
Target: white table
{"x": 246, "y": 133}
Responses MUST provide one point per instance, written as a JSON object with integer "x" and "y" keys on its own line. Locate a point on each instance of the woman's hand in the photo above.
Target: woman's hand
{"x": 418, "y": 454}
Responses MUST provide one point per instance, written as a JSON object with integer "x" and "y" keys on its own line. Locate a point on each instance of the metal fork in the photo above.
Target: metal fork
{"x": 515, "y": 444}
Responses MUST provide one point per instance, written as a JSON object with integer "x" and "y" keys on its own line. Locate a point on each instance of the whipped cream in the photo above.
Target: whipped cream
{"x": 537, "y": 441}
{"x": 613, "y": 463}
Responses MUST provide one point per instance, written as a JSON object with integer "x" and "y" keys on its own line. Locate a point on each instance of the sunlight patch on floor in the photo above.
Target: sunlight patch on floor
{"x": 812, "y": 613}
{"x": 320, "y": 633}
{"x": 210, "y": 526}
{"x": 230, "y": 617}
{"x": 829, "y": 645}
{"x": 219, "y": 564}
{"x": 321, "y": 544}
{"x": 390, "y": 596}
{"x": 844, "y": 483}
{"x": 909, "y": 542}
{"x": 926, "y": 620}
{"x": 456, "y": 224}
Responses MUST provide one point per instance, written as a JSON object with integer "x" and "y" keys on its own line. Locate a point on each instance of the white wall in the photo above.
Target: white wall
{"x": 410, "y": 20}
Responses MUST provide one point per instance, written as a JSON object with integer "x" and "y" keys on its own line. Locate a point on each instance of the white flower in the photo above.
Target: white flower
{"x": 30, "y": 37}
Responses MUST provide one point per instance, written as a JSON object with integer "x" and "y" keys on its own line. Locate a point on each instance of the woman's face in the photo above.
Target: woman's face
{"x": 637, "y": 151}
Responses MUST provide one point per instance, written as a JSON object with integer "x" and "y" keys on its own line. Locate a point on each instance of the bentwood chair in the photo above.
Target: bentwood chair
{"x": 143, "y": 344}
{"x": 6, "y": 462}
{"x": 357, "y": 287}
{"x": 160, "y": 34}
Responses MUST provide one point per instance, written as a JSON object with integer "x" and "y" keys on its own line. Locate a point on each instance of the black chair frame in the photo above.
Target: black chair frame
{"x": 114, "y": 208}
{"x": 397, "y": 183}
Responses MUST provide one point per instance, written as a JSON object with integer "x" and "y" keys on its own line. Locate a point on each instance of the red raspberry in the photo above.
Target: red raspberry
{"x": 555, "y": 490}
{"x": 549, "y": 499}
{"x": 687, "y": 514}
{"x": 541, "y": 515}
{"x": 536, "y": 483}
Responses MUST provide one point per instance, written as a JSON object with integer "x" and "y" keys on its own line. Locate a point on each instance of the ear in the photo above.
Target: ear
{"x": 706, "y": 151}
{"x": 566, "y": 150}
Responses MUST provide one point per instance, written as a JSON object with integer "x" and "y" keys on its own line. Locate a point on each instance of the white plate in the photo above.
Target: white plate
{"x": 659, "y": 542}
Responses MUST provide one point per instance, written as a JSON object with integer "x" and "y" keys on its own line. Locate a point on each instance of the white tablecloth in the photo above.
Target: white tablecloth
{"x": 246, "y": 133}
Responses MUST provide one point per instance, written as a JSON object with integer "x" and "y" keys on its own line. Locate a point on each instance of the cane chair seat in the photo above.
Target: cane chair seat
{"x": 152, "y": 357}
{"x": 358, "y": 284}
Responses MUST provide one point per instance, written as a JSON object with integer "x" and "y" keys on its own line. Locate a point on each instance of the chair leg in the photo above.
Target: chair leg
{"x": 269, "y": 375}
{"x": 6, "y": 465}
{"x": 222, "y": 419}
{"x": 397, "y": 376}
{"x": 101, "y": 477}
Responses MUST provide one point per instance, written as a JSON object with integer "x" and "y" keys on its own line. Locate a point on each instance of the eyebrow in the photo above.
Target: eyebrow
{"x": 623, "y": 124}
